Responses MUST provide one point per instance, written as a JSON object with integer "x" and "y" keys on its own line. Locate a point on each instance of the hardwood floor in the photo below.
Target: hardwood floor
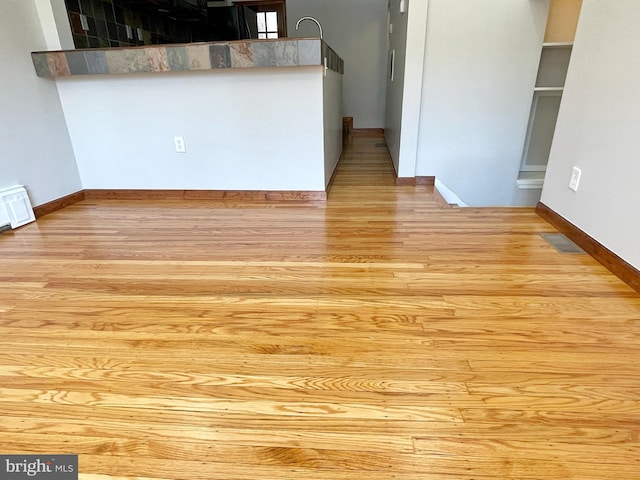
{"x": 372, "y": 337}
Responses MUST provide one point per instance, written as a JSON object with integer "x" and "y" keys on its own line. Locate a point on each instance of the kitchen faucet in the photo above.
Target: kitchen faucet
{"x": 313, "y": 20}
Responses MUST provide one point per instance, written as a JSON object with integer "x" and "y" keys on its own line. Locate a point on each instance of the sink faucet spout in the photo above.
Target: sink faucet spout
{"x": 313, "y": 20}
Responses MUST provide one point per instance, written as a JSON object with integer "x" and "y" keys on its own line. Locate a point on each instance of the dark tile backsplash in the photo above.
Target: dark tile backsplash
{"x": 107, "y": 22}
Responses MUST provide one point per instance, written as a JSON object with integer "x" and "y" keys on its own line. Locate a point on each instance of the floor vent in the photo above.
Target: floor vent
{"x": 561, "y": 243}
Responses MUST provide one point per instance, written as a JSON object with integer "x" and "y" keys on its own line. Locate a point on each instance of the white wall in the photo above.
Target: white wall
{"x": 356, "y": 30}
{"x": 597, "y": 129}
{"x": 480, "y": 67}
{"x": 332, "y": 101}
{"x": 55, "y": 24}
{"x": 252, "y": 129}
{"x": 36, "y": 150}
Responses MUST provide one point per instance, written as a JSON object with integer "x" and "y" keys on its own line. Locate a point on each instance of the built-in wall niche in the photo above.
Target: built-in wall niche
{"x": 552, "y": 73}
{"x": 554, "y": 63}
{"x": 547, "y": 95}
{"x": 542, "y": 124}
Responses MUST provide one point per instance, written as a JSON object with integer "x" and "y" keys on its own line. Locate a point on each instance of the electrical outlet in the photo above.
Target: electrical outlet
{"x": 180, "y": 147}
{"x": 575, "y": 179}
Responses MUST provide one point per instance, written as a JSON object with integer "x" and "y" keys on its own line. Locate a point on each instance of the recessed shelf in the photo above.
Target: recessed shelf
{"x": 530, "y": 180}
{"x": 554, "y": 63}
{"x": 548, "y": 89}
{"x": 530, "y": 184}
{"x": 557, "y": 44}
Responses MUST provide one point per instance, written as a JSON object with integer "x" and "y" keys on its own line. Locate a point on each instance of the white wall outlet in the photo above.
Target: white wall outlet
{"x": 180, "y": 146}
{"x": 575, "y": 179}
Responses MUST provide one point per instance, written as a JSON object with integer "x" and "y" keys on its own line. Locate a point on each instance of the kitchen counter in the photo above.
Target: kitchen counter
{"x": 284, "y": 52}
{"x": 253, "y": 115}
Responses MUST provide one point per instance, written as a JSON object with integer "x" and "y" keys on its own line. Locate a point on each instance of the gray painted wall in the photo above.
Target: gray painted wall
{"x": 404, "y": 94}
{"x": 597, "y": 129}
{"x": 395, "y": 88}
{"x": 332, "y": 120}
{"x": 480, "y": 68}
{"x": 36, "y": 150}
{"x": 356, "y": 30}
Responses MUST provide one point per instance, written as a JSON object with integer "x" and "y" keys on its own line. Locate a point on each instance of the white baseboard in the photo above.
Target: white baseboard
{"x": 449, "y": 195}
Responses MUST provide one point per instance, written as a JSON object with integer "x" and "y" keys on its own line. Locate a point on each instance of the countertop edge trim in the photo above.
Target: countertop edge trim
{"x": 287, "y": 52}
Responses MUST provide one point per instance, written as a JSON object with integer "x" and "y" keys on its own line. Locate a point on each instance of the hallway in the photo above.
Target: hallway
{"x": 365, "y": 162}
{"x": 373, "y": 336}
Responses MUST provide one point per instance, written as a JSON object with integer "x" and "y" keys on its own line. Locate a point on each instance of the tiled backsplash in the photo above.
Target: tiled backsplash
{"x": 111, "y": 24}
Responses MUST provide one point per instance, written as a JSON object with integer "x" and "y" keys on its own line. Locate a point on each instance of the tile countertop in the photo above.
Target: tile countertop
{"x": 284, "y": 52}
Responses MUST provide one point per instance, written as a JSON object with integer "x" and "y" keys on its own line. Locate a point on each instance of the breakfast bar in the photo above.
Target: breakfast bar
{"x": 247, "y": 115}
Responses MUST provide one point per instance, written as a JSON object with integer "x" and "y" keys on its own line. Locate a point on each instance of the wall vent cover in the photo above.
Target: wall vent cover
{"x": 15, "y": 207}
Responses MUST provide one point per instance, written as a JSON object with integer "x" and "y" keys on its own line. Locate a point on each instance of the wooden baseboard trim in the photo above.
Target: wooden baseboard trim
{"x": 58, "y": 204}
{"x": 347, "y": 124}
{"x": 413, "y": 181}
{"x": 238, "y": 195}
{"x": 428, "y": 181}
{"x": 406, "y": 181}
{"x": 367, "y": 132}
{"x": 616, "y": 265}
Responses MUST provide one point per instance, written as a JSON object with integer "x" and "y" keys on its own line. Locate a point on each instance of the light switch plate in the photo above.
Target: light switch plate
{"x": 574, "y": 182}
{"x": 180, "y": 146}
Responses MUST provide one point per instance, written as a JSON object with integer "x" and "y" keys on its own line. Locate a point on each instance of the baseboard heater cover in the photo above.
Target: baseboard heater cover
{"x": 15, "y": 207}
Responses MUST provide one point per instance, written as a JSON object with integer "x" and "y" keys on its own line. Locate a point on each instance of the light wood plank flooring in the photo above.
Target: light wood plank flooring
{"x": 374, "y": 337}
